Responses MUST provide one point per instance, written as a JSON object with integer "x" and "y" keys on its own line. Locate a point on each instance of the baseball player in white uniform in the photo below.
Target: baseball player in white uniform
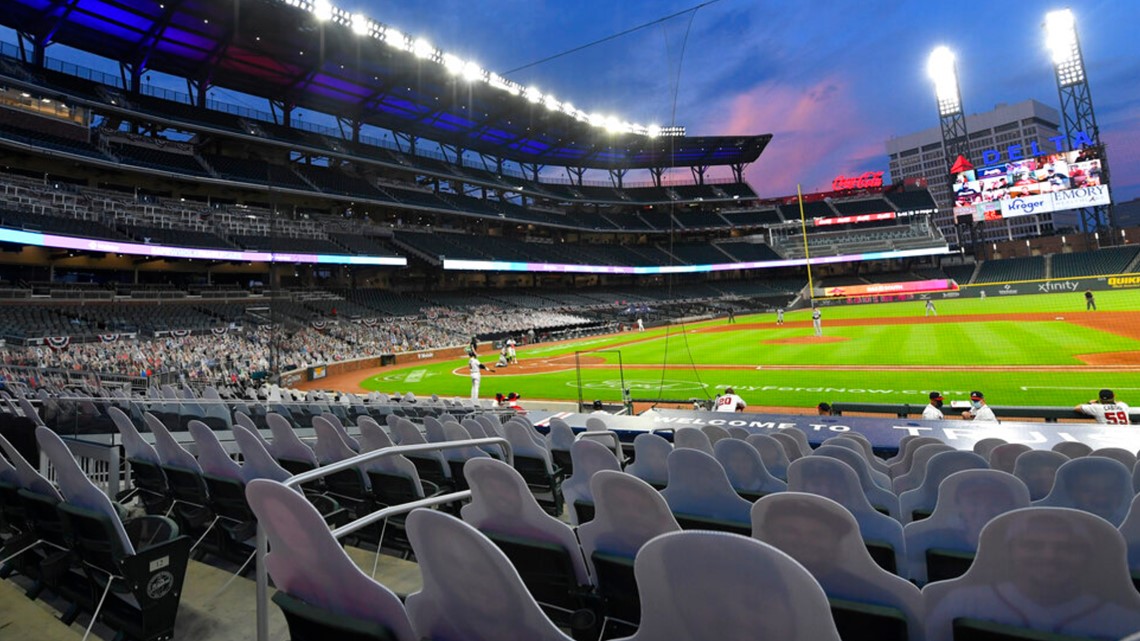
{"x": 817, "y": 321}
{"x": 640, "y": 324}
{"x": 979, "y": 411}
{"x": 930, "y": 308}
{"x": 779, "y": 315}
{"x": 1107, "y": 411}
{"x": 476, "y": 375}
{"x": 729, "y": 402}
{"x": 933, "y": 411}
{"x": 511, "y": 357}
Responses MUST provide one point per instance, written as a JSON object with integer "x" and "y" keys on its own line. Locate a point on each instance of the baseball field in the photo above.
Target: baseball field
{"x": 1041, "y": 349}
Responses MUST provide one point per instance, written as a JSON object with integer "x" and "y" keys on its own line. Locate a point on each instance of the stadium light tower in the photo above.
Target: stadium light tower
{"x": 1076, "y": 100}
{"x": 942, "y": 69}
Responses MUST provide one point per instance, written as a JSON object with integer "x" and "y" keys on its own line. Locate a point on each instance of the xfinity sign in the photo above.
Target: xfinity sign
{"x": 1081, "y": 197}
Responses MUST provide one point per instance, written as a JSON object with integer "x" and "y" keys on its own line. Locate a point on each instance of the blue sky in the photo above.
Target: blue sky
{"x": 832, "y": 80}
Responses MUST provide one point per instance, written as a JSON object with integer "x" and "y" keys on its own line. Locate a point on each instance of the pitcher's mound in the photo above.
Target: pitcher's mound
{"x": 806, "y": 340}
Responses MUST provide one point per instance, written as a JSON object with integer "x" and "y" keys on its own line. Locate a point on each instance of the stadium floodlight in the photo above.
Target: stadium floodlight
{"x": 453, "y": 64}
{"x": 395, "y": 39}
{"x": 533, "y": 94}
{"x": 551, "y": 103}
{"x": 421, "y": 48}
{"x": 653, "y": 130}
{"x": 361, "y": 25}
{"x": 943, "y": 71}
{"x": 472, "y": 72}
{"x": 322, "y": 10}
{"x": 1061, "y": 39}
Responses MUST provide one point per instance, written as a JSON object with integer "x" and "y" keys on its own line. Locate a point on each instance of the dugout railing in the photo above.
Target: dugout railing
{"x": 905, "y": 410}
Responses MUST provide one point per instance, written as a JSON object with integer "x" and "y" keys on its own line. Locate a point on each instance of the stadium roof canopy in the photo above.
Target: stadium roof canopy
{"x": 283, "y": 53}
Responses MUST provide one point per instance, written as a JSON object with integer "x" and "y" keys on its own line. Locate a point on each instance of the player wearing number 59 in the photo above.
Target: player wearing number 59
{"x": 1107, "y": 410}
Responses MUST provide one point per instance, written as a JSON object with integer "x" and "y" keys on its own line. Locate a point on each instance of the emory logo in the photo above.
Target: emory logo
{"x": 1093, "y": 195}
{"x": 1064, "y": 286}
{"x": 1026, "y": 207}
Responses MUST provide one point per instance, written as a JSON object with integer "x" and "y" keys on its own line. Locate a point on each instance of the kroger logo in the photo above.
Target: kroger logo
{"x": 1025, "y": 206}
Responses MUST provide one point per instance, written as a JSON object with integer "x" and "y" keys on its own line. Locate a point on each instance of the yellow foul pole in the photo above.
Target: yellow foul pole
{"x": 803, "y": 230}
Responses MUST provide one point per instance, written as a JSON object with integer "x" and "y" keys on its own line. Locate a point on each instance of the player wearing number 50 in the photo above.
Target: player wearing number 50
{"x": 1107, "y": 410}
{"x": 730, "y": 402}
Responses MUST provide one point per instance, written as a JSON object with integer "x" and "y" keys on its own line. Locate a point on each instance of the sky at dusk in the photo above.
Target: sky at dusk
{"x": 832, "y": 81}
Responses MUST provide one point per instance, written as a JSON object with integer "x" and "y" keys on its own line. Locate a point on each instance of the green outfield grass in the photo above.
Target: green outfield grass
{"x": 903, "y": 361}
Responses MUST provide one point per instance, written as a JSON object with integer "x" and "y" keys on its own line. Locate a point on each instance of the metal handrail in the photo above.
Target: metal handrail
{"x": 364, "y": 521}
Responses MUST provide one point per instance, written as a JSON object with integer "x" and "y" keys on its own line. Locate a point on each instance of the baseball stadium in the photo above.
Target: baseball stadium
{"x": 310, "y": 329}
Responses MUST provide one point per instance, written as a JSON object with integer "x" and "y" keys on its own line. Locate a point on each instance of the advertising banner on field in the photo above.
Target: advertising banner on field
{"x": 998, "y": 290}
{"x": 879, "y": 289}
{"x": 884, "y": 433}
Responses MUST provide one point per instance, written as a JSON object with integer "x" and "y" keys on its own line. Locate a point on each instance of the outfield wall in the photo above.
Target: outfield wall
{"x": 1011, "y": 288}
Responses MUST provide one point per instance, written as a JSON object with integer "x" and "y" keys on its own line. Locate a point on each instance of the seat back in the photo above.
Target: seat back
{"x": 791, "y": 446}
{"x": 692, "y": 438}
{"x": 732, "y": 587}
{"x": 1116, "y": 453}
{"x": 698, "y": 486}
{"x": 967, "y": 500}
{"x": 1004, "y": 457}
{"x": 650, "y": 456}
{"x": 502, "y": 504}
{"x": 331, "y": 447}
{"x": 334, "y": 419}
{"x": 628, "y": 512}
{"x": 745, "y": 469}
{"x": 715, "y": 433}
{"x": 1130, "y": 530}
{"x": 986, "y": 445}
{"x": 772, "y": 453}
{"x": 525, "y": 447}
{"x": 824, "y": 537}
{"x": 875, "y": 462}
{"x": 306, "y": 562}
{"x": 834, "y": 479}
{"x": 77, "y": 489}
{"x": 1072, "y": 449}
{"x": 590, "y": 457}
{"x": 257, "y": 462}
{"x": 372, "y": 435}
{"x": 434, "y": 429}
{"x": 1038, "y": 469}
{"x": 1048, "y": 569}
{"x": 26, "y": 476}
{"x": 212, "y": 458}
{"x": 1094, "y": 484}
{"x": 170, "y": 453}
{"x": 561, "y": 436}
{"x": 134, "y": 445}
{"x": 920, "y": 501}
{"x": 913, "y": 477}
{"x": 460, "y": 568}
{"x": 903, "y": 462}
{"x": 286, "y": 444}
{"x": 405, "y": 432}
{"x": 876, "y": 486}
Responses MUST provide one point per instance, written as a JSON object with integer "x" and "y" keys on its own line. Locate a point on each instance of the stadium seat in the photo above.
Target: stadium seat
{"x": 558, "y": 441}
{"x": 1038, "y": 469}
{"x": 650, "y": 459}
{"x": 1046, "y": 569}
{"x": 191, "y": 509}
{"x": 943, "y": 546}
{"x": 791, "y": 446}
{"x": 912, "y": 478}
{"x": 322, "y": 593}
{"x": 257, "y": 462}
{"x": 772, "y": 453}
{"x": 868, "y": 452}
{"x": 457, "y": 457}
{"x": 372, "y": 435}
{"x": 288, "y": 448}
{"x": 1072, "y": 449}
{"x": 1004, "y": 457}
{"x": 138, "y": 567}
{"x": 880, "y": 497}
{"x": 225, "y": 485}
{"x": 460, "y": 568}
{"x": 1095, "y": 484}
{"x": 880, "y": 477}
{"x": 745, "y": 469}
{"x": 825, "y": 538}
{"x": 986, "y": 445}
{"x": 919, "y": 503}
{"x": 772, "y": 596}
{"x": 146, "y": 469}
{"x": 831, "y": 478}
{"x": 532, "y": 460}
{"x": 336, "y": 423}
{"x": 349, "y": 487}
{"x": 431, "y": 465}
{"x": 700, "y": 495}
{"x": 628, "y": 514}
{"x": 544, "y": 550}
{"x": 590, "y": 457}
{"x": 715, "y": 433}
{"x": 1118, "y": 454}
{"x": 692, "y": 438}
{"x": 901, "y": 464}
{"x": 609, "y": 438}
{"x": 477, "y": 430}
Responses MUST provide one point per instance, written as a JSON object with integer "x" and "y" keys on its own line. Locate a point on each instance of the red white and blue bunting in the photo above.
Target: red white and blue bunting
{"x": 58, "y": 343}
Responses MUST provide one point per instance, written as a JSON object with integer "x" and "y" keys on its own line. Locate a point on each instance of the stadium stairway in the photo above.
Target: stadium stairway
{"x": 1048, "y": 266}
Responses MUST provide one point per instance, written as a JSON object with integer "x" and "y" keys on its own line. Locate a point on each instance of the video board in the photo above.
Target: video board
{"x": 1055, "y": 182}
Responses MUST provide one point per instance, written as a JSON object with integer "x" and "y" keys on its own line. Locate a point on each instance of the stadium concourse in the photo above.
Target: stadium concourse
{"x": 183, "y": 276}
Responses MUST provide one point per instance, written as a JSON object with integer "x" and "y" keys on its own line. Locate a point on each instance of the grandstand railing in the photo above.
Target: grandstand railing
{"x": 364, "y": 521}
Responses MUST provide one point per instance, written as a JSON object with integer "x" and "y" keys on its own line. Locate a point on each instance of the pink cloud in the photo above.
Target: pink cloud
{"x": 818, "y": 133}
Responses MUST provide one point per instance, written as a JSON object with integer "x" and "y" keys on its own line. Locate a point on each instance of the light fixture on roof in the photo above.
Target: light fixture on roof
{"x": 395, "y": 39}
{"x": 550, "y": 103}
{"x": 322, "y": 10}
{"x": 1061, "y": 38}
{"x": 472, "y": 72}
{"x": 533, "y": 94}
{"x": 422, "y": 48}
{"x": 453, "y": 64}
{"x": 360, "y": 24}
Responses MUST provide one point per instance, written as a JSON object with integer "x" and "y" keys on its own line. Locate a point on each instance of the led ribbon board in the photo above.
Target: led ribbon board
{"x": 501, "y": 266}
{"x": 37, "y": 239}
{"x": 881, "y": 289}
